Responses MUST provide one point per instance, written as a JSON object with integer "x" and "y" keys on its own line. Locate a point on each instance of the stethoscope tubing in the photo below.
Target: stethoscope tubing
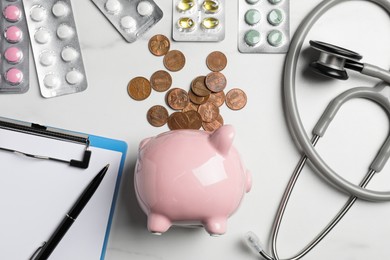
{"x": 284, "y": 202}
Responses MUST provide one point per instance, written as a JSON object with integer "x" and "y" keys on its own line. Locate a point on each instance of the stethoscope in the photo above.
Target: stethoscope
{"x": 333, "y": 62}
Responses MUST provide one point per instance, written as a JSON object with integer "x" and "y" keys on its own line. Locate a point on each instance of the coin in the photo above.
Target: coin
{"x": 217, "y": 98}
{"x": 174, "y": 60}
{"x": 177, "y": 120}
{"x": 216, "y": 61}
{"x": 198, "y": 86}
{"x": 159, "y": 45}
{"x": 215, "y": 81}
{"x": 236, "y": 99}
{"x": 161, "y": 81}
{"x": 208, "y": 111}
{"x": 214, "y": 125}
{"x": 177, "y": 98}
{"x": 190, "y": 106}
{"x": 197, "y": 99}
{"x": 157, "y": 115}
{"x": 139, "y": 88}
{"x": 194, "y": 120}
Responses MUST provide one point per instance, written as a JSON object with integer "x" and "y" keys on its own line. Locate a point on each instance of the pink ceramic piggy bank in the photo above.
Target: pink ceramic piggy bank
{"x": 190, "y": 177}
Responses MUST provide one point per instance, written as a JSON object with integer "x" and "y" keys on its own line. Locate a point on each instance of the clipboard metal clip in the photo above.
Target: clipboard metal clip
{"x": 36, "y": 129}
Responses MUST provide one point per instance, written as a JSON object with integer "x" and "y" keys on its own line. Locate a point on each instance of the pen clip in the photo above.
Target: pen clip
{"x": 37, "y": 251}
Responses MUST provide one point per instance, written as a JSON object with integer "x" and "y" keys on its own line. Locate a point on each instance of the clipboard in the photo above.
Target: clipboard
{"x": 43, "y": 171}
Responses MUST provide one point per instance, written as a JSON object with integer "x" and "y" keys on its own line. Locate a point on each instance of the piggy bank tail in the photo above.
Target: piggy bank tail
{"x": 248, "y": 181}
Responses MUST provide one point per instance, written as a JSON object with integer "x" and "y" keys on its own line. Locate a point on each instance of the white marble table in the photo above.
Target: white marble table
{"x": 262, "y": 135}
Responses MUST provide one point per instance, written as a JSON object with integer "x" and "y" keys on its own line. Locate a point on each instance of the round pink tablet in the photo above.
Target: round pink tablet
{"x": 13, "y": 34}
{"x": 13, "y": 55}
{"x": 12, "y": 13}
{"x": 14, "y": 76}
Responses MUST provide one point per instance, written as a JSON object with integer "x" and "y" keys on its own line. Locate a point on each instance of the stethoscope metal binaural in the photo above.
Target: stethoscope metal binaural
{"x": 333, "y": 62}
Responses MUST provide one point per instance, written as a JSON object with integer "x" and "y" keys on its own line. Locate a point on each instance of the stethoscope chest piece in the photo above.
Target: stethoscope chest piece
{"x": 333, "y": 59}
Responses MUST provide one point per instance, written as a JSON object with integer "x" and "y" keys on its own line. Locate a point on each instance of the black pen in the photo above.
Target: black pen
{"x": 47, "y": 248}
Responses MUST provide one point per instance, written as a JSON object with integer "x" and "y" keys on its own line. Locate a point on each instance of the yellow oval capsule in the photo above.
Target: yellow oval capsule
{"x": 185, "y": 5}
{"x": 211, "y": 6}
{"x": 186, "y": 23}
{"x": 210, "y": 23}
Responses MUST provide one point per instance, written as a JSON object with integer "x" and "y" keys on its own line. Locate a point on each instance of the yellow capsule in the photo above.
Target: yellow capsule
{"x": 210, "y": 23}
{"x": 185, "y": 5}
{"x": 186, "y": 23}
{"x": 211, "y": 6}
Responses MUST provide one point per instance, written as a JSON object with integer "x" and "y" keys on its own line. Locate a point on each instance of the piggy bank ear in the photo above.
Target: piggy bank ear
{"x": 143, "y": 143}
{"x": 222, "y": 138}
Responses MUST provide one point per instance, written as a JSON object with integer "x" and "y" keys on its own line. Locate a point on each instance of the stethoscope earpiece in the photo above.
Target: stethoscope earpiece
{"x": 333, "y": 60}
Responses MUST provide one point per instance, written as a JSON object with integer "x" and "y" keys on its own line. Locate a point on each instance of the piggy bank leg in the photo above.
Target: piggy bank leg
{"x": 158, "y": 224}
{"x": 215, "y": 226}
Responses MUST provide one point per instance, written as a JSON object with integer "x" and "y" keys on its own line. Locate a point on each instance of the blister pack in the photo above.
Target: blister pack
{"x": 131, "y": 18}
{"x": 56, "y": 47}
{"x": 14, "y": 46}
{"x": 198, "y": 20}
{"x": 264, "y": 26}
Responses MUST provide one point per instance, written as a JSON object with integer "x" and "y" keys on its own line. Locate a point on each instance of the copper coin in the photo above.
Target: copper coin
{"x": 159, "y": 45}
{"x": 217, "y": 98}
{"x": 194, "y": 120}
{"x": 161, "y": 81}
{"x": 197, "y": 99}
{"x": 190, "y": 106}
{"x": 216, "y": 61}
{"x": 139, "y": 88}
{"x": 157, "y": 115}
{"x": 214, "y": 125}
{"x": 215, "y": 81}
{"x": 236, "y": 99}
{"x": 177, "y": 120}
{"x": 177, "y": 98}
{"x": 208, "y": 111}
{"x": 174, "y": 60}
{"x": 198, "y": 86}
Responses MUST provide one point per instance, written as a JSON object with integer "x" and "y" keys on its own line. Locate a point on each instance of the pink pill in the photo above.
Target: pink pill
{"x": 12, "y": 13}
{"x": 13, "y": 55}
{"x": 14, "y": 76}
{"x": 13, "y": 34}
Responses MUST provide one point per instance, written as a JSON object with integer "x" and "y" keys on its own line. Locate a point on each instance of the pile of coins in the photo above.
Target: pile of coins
{"x": 196, "y": 108}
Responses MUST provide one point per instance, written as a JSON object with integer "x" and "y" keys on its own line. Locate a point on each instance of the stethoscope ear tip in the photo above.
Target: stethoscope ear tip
{"x": 252, "y": 241}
